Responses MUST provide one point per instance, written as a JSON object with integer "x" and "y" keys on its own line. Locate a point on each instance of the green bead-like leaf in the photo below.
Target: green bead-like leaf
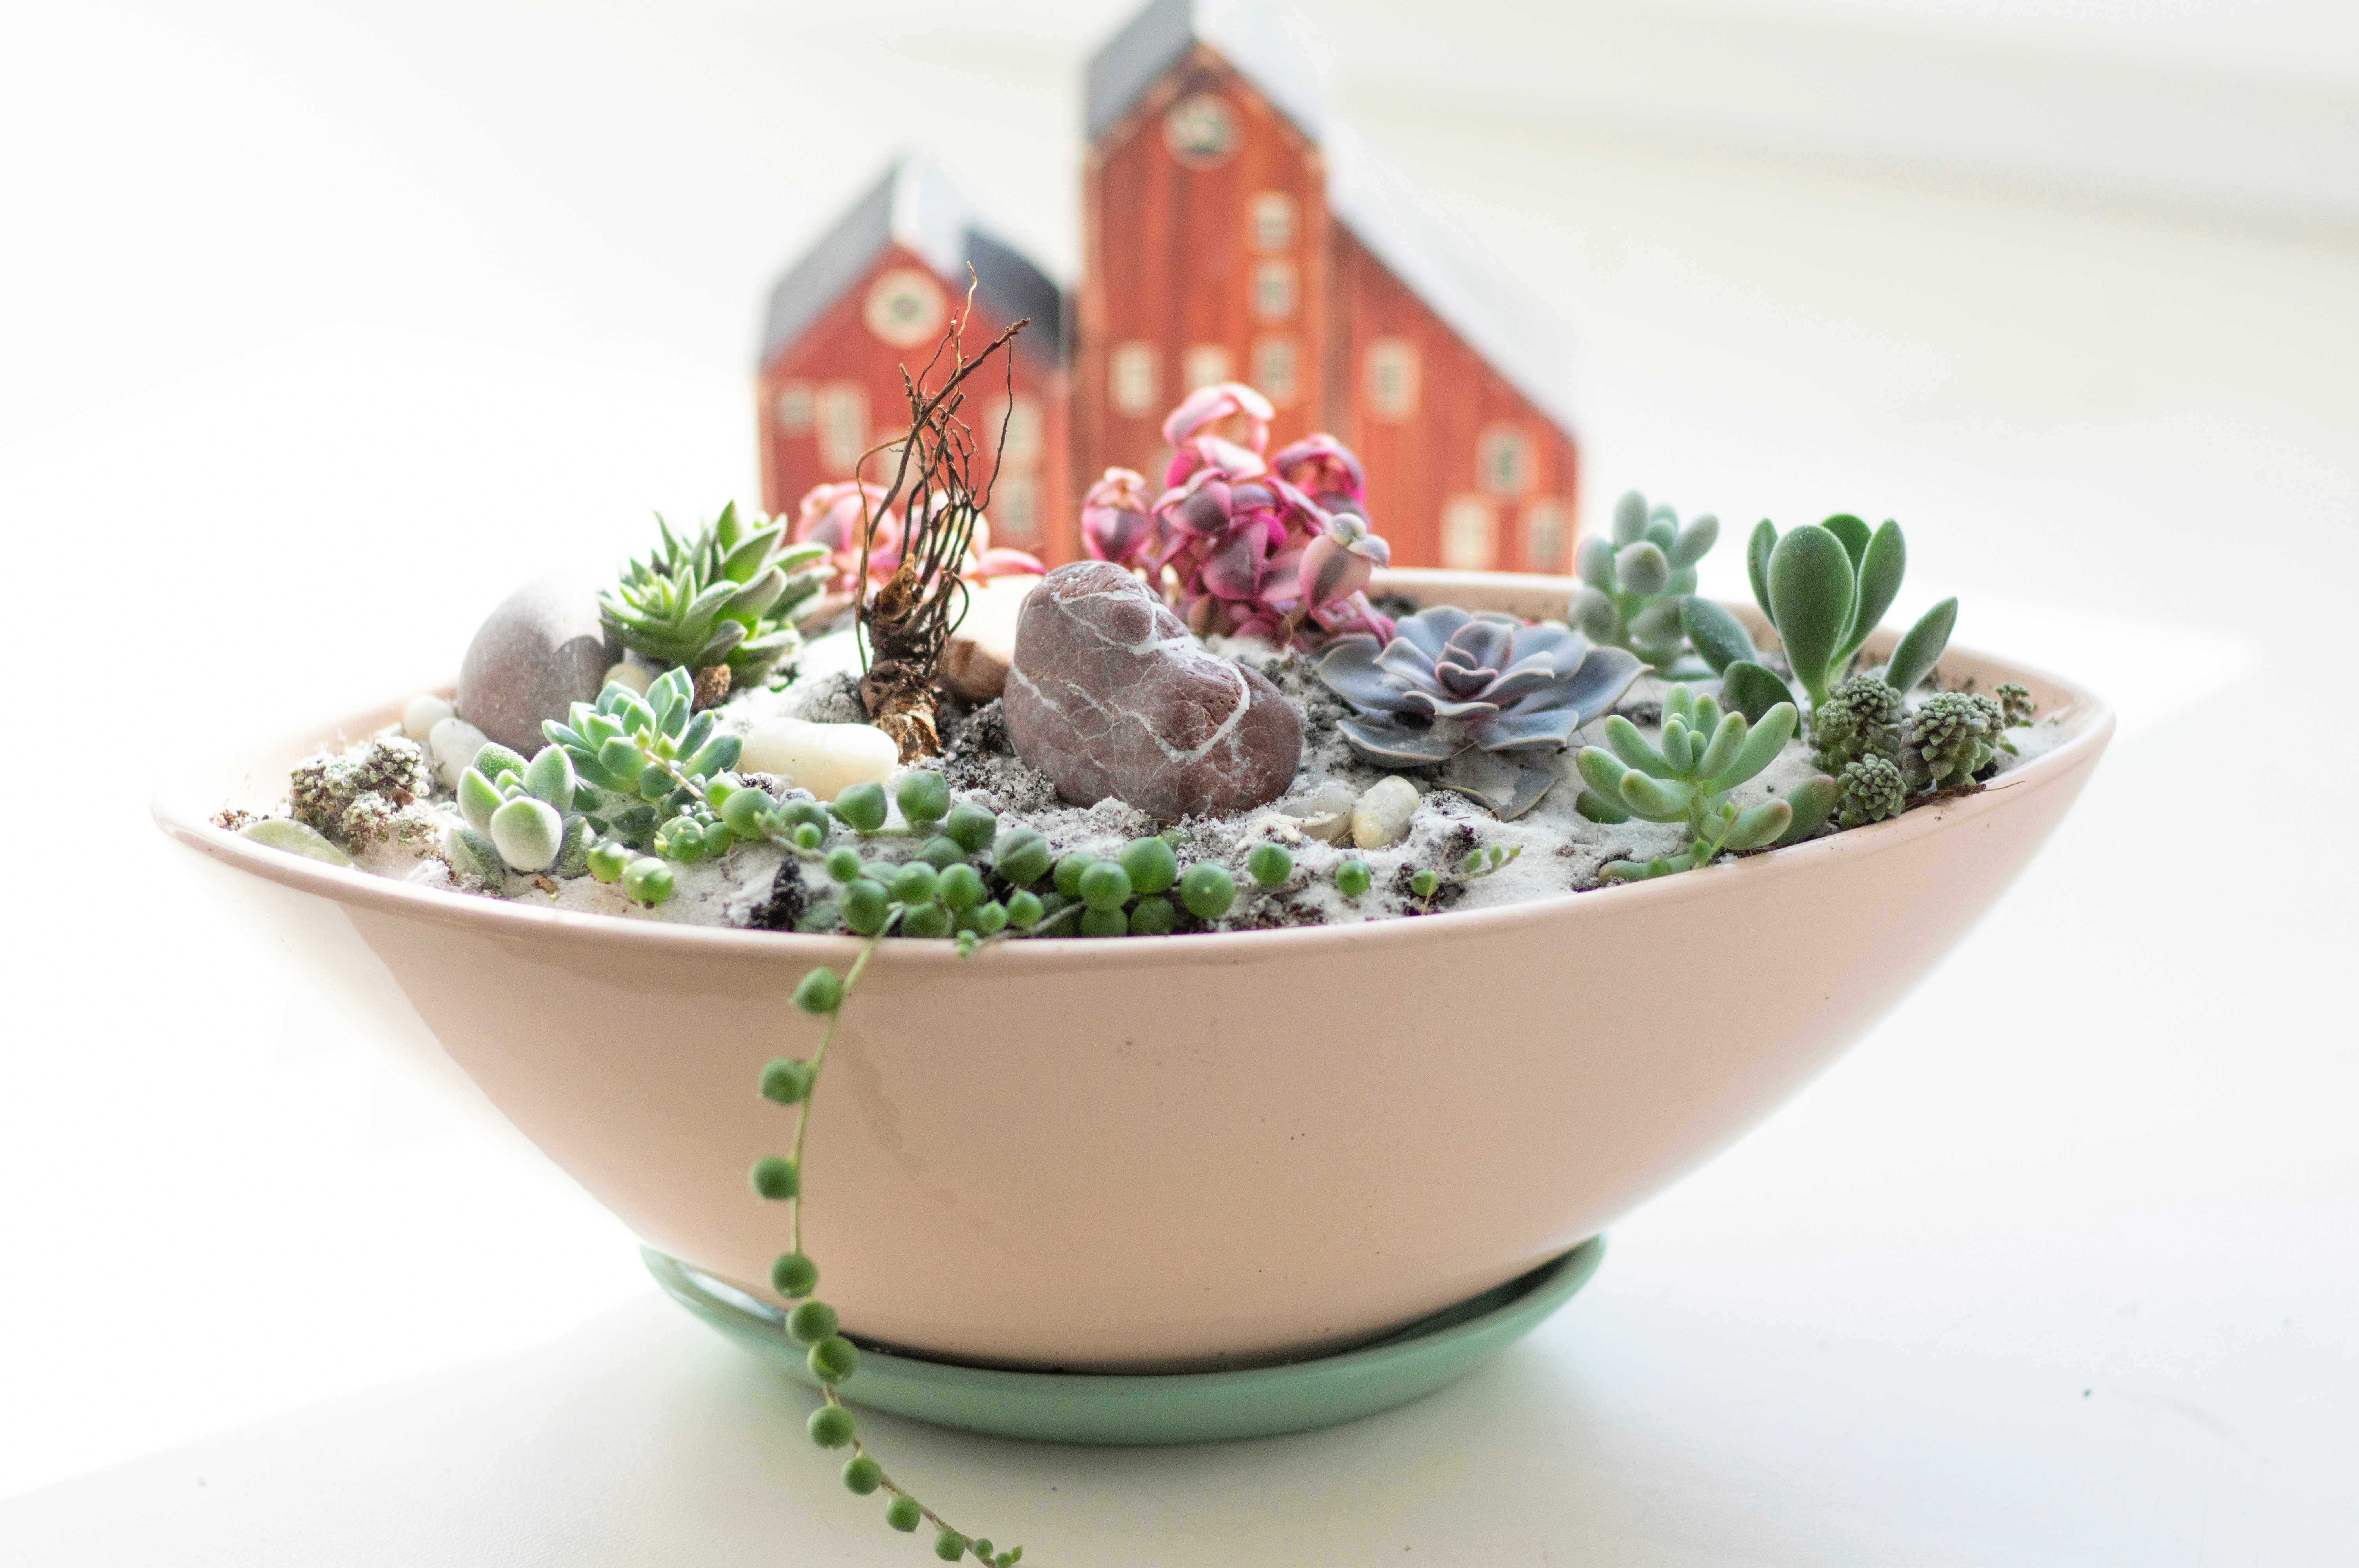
{"x": 1694, "y": 541}
{"x": 1811, "y": 594}
{"x": 1881, "y": 568}
{"x": 1657, "y": 800}
{"x": 1718, "y": 637}
{"x": 1760, "y": 748}
{"x": 1852, "y": 532}
{"x": 1629, "y": 518}
{"x": 1727, "y": 740}
{"x": 1642, "y": 568}
{"x": 1757, "y": 551}
{"x": 1758, "y": 825}
{"x": 550, "y": 777}
{"x": 1634, "y": 748}
{"x": 1752, "y": 689}
{"x": 478, "y": 798}
{"x": 1813, "y": 802}
{"x": 1922, "y": 646}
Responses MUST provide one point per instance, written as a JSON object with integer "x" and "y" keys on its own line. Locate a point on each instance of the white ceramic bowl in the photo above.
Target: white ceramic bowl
{"x": 1159, "y": 1152}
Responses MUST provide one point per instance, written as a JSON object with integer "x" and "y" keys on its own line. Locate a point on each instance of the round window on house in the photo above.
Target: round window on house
{"x": 906, "y": 307}
{"x": 1201, "y": 130}
{"x": 1503, "y": 456}
{"x": 1469, "y": 534}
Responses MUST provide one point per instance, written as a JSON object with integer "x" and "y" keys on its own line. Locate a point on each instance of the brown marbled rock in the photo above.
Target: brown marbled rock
{"x": 539, "y": 653}
{"x": 1109, "y": 694}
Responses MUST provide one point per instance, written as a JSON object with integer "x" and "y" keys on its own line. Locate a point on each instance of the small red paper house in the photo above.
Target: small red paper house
{"x": 1234, "y": 232}
{"x": 875, "y": 294}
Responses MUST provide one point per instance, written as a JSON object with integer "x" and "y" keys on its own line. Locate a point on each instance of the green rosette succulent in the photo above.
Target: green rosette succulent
{"x": 1861, "y": 718}
{"x": 1687, "y": 777}
{"x": 727, "y": 594}
{"x": 1634, "y": 583}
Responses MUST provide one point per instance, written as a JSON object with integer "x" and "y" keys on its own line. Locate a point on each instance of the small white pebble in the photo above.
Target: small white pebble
{"x": 418, "y": 719}
{"x": 296, "y": 838}
{"x": 629, "y": 673}
{"x": 454, "y": 743}
{"x": 825, "y": 759}
{"x": 1380, "y": 818}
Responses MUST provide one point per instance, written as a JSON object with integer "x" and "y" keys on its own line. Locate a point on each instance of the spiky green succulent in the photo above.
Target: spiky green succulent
{"x": 1861, "y": 717}
{"x": 726, "y": 594}
{"x": 1951, "y": 737}
{"x": 1869, "y": 790}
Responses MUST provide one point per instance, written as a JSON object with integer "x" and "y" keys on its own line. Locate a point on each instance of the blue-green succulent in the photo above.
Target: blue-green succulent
{"x": 1687, "y": 777}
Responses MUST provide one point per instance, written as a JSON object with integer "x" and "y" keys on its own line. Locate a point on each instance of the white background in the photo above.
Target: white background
{"x": 326, "y": 319}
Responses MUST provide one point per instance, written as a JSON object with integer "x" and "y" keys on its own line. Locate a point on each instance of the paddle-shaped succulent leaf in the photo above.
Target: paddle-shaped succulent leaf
{"x": 1687, "y": 777}
{"x": 1451, "y": 679}
{"x": 1825, "y": 585}
{"x": 1633, "y": 583}
{"x": 725, "y": 594}
{"x": 1718, "y": 637}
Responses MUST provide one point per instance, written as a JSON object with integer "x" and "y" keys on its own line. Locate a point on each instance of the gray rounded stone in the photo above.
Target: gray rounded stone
{"x": 1110, "y": 694}
{"x": 539, "y": 653}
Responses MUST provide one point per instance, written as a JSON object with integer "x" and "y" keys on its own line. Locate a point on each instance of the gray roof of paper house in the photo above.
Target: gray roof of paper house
{"x": 917, "y": 206}
{"x": 1382, "y": 211}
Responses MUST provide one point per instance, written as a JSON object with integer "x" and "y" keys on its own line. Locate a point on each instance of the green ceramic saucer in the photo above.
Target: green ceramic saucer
{"x": 1185, "y": 1407}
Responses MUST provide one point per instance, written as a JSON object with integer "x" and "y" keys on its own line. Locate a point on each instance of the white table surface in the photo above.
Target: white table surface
{"x": 2058, "y": 1268}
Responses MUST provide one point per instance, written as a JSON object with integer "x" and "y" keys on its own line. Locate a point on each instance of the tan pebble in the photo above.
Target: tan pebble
{"x": 418, "y": 719}
{"x": 629, "y": 673}
{"x": 1380, "y": 818}
{"x": 825, "y": 759}
{"x": 454, "y": 743}
{"x": 976, "y": 658}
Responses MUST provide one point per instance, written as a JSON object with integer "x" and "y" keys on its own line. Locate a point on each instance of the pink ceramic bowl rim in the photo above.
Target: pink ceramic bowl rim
{"x": 184, "y": 805}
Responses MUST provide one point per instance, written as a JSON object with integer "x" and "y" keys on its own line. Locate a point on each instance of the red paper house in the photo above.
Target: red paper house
{"x": 875, "y": 294}
{"x": 1234, "y": 232}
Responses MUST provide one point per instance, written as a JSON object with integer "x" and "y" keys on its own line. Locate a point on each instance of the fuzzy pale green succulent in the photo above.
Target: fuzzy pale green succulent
{"x": 1824, "y": 586}
{"x": 1634, "y": 583}
{"x": 1687, "y": 778}
{"x": 521, "y": 815}
{"x": 727, "y": 594}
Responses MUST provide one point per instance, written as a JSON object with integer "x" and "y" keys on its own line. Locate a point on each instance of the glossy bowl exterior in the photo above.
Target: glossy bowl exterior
{"x": 1159, "y": 1152}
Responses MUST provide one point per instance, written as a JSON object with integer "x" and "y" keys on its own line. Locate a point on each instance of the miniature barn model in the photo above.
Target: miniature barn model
{"x": 1234, "y": 232}
{"x": 875, "y": 295}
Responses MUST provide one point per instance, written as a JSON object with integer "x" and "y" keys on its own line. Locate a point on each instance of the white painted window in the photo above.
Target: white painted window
{"x": 1274, "y": 369}
{"x": 1274, "y": 291}
{"x": 1015, "y": 510}
{"x": 1469, "y": 534}
{"x": 1205, "y": 364}
{"x": 1392, "y": 378}
{"x": 1136, "y": 373}
{"x": 1546, "y": 534}
{"x": 1502, "y": 458}
{"x": 1026, "y": 439}
{"x": 842, "y": 422}
{"x": 792, "y": 408}
{"x": 1271, "y": 215}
